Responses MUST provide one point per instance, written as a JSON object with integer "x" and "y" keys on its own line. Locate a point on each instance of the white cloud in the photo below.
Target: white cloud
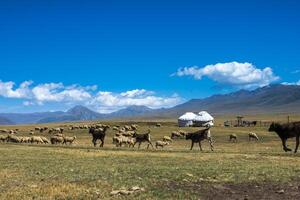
{"x": 107, "y": 101}
{"x": 136, "y": 93}
{"x": 7, "y": 89}
{"x": 58, "y": 92}
{"x": 103, "y": 101}
{"x": 291, "y": 83}
{"x": 244, "y": 75}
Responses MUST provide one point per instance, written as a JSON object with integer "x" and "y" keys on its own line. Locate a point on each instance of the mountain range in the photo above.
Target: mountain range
{"x": 269, "y": 99}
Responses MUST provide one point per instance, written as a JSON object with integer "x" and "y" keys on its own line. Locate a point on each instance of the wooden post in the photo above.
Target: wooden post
{"x": 288, "y": 118}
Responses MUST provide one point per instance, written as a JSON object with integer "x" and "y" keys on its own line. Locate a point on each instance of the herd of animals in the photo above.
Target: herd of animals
{"x": 128, "y": 135}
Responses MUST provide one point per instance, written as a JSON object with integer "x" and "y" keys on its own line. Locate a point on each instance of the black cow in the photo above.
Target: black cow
{"x": 98, "y": 134}
{"x": 285, "y": 131}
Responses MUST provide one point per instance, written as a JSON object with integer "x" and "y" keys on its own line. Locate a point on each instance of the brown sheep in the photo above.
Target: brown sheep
{"x": 56, "y": 140}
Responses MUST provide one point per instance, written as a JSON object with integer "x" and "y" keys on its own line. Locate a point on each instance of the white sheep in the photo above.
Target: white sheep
{"x": 69, "y": 140}
{"x": 161, "y": 144}
{"x": 45, "y": 140}
{"x": 36, "y": 139}
{"x": 253, "y": 136}
{"x": 3, "y": 138}
{"x": 167, "y": 139}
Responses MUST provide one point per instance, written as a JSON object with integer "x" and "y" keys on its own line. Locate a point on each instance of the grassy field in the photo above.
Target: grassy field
{"x": 242, "y": 170}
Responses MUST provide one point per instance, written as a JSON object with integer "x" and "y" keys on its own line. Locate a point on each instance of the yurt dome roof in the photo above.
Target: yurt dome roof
{"x": 188, "y": 116}
{"x": 203, "y": 116}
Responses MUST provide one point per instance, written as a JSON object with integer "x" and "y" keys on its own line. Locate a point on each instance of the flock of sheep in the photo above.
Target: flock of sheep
{"x": 57, "y": 136}
{"x": 127, "y": 135}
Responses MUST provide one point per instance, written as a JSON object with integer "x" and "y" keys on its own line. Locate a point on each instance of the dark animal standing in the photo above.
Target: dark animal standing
{"x": 139, "y": 138}
{"x": 233, "y": 137}
{"x": 98, "y": 134}
{"x": 285, "y": 131}
{"x": 198, "y": 136}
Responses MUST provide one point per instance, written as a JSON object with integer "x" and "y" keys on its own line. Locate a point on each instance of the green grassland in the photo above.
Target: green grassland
{"x": 251, "y": 170}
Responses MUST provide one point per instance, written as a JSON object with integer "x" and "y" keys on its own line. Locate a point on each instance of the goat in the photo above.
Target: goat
{"x": 145, "y": 137}
{"x": 198, "y": 136}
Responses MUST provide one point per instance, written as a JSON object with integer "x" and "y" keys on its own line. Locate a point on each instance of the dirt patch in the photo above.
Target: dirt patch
{"x": 264, "y": 190}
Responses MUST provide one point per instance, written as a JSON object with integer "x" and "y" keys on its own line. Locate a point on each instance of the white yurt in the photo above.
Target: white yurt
{"x": 203, "y": 119}
{"x": 186, "y": 119}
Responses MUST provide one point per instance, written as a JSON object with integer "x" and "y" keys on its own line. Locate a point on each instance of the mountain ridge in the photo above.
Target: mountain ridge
{"x": 268, "y": 99}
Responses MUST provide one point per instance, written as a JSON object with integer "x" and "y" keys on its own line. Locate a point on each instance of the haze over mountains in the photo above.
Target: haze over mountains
{"x": 265, "y": 100}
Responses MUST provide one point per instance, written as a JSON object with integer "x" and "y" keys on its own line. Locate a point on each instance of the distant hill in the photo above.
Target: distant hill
{"x": 77, "y": 113}
{"x": 131, "y": 111}
{"x": 5, "y": 121}
{"x": 269, "y": 99}
{"x": 28, "y": 118}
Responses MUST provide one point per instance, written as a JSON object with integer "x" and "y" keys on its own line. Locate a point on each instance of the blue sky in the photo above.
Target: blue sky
{"x": 153, "y": 53}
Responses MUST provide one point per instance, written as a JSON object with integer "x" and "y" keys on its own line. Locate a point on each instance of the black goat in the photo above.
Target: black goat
{"x": 198, "y": 136}
{"x": 285, "y": 131}
{"x": 98, "y": 134}
{"x": 145, "y": 137}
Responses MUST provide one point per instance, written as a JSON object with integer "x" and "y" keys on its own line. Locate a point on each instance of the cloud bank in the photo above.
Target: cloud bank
{"x": 242, "y": 75}
{"x": 102, "y": 101}
{"x": 291, "y": 83}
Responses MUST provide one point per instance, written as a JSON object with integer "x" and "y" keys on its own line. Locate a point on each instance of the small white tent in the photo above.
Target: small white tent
{"x": 186, "y": 119}
{"x": 203, "y": 118}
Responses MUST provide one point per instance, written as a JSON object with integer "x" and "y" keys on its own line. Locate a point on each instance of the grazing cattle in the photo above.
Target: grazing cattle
{"x": 98, "y": 134}
{"x": 233, "y": 137}
{"x": 285, "y": 131}
{"x": 145, "y": 137}
{"x": 198, "y": 136}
